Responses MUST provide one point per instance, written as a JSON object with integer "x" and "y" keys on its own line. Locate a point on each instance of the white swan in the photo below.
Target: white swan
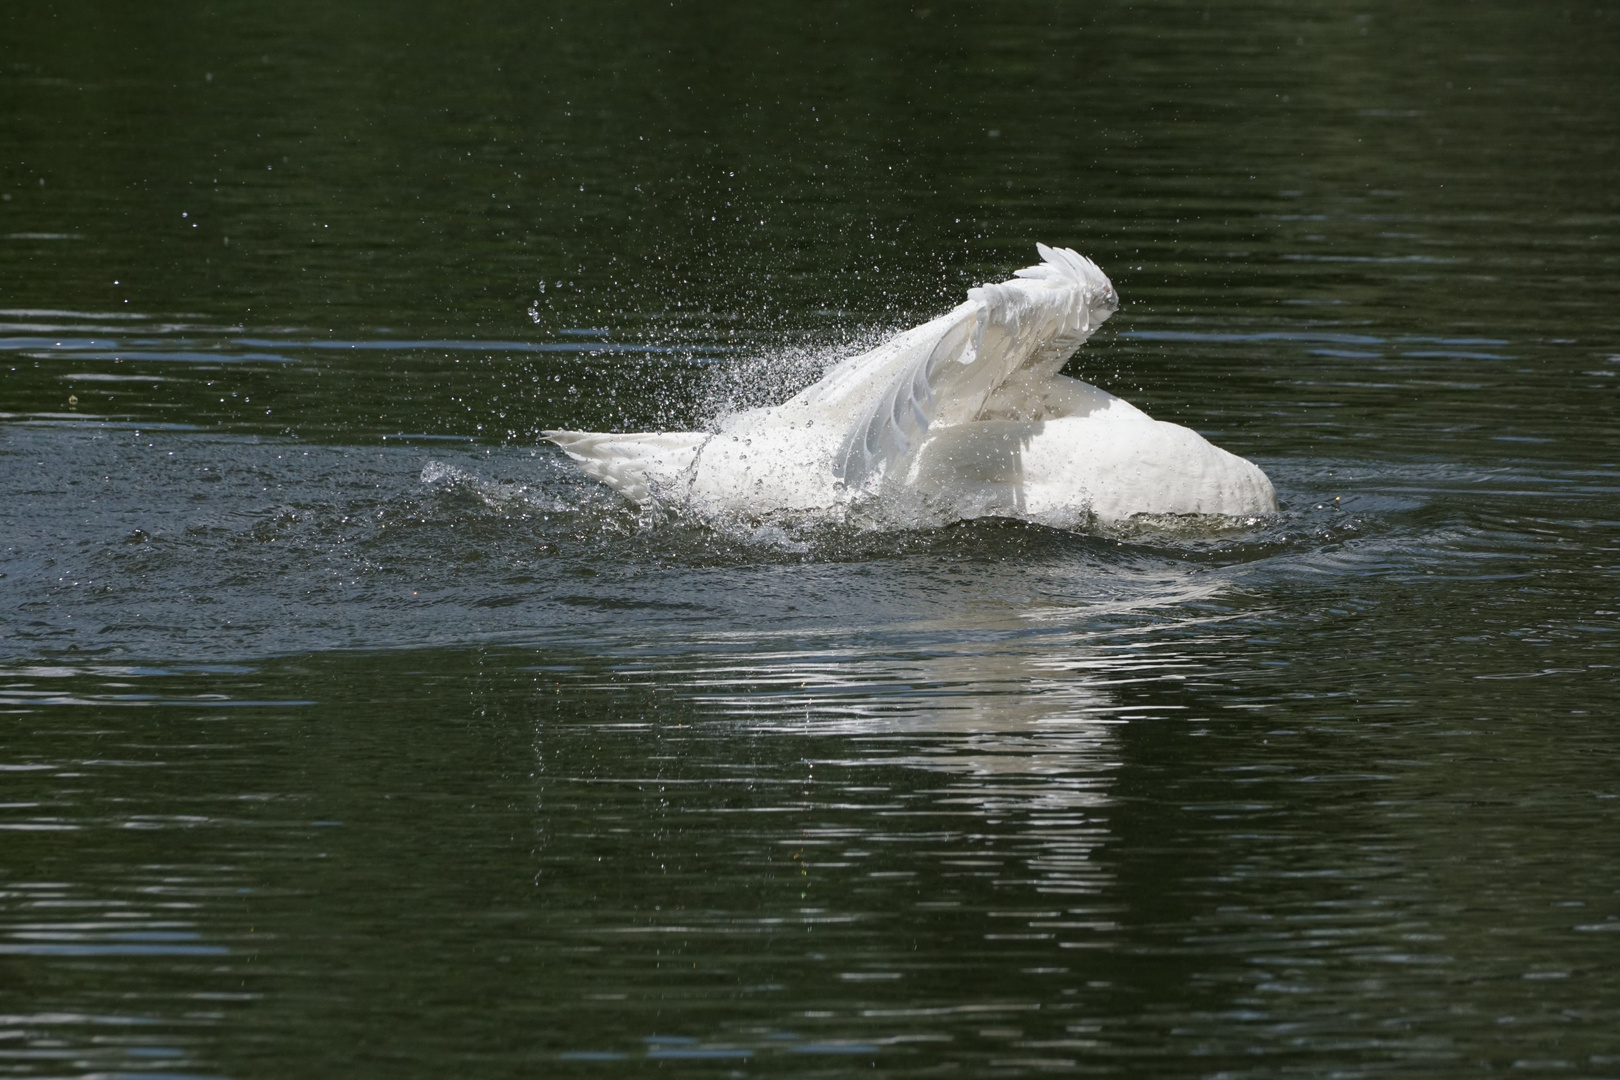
{"x": 965, "y": 416}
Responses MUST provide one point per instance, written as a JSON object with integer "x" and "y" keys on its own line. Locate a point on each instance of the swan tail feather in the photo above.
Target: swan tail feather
{"x": 639, "y": 466}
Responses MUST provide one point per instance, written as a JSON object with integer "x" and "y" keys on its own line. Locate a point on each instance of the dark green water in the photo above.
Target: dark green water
{"x": 345, "y": 731}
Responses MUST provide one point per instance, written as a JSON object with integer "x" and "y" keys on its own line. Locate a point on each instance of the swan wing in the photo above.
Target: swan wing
{"x": 991, "y": 357}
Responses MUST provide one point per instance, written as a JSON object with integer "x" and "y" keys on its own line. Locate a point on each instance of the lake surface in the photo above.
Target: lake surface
{"x": 347, "y": 731}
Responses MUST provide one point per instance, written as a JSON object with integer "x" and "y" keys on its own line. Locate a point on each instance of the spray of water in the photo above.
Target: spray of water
{"x": 768, "y": 377}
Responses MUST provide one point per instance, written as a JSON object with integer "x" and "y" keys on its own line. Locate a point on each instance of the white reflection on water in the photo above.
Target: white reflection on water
{"x": 60, "y": 922}
{"x": 959, "y": 777}
{"x": 1022, "y": 727}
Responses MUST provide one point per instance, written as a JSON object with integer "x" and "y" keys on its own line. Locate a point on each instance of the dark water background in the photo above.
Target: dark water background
{"x": 344, "y": 731}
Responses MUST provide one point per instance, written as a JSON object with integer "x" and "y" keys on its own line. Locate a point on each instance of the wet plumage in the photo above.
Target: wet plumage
{"x": 964, "y": 416}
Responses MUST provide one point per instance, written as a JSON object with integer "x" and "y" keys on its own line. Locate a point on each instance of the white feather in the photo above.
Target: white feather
{"x": 1014, "y": 336}
{"x": 966, "y": 412}
{"x": 634, "y": 465}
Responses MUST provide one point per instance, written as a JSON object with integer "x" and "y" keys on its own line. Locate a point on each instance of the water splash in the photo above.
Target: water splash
{"x": 767, "y": 377}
